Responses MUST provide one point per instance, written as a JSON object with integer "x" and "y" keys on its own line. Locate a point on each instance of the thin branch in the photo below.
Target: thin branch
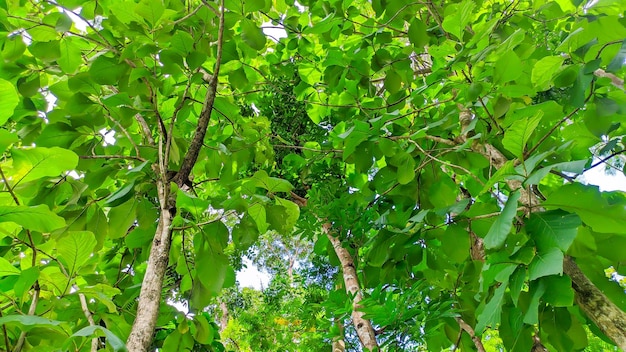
{"x": 615, "y": 81}
{"x": 35, "y": 299}
{"x": 210, "y": 6}
{"x": 445, "y": 162}
{"x": 87, "y": 312}
{"x": 326, "y": 151}
{"x": 226, "y": 214}
{"x": 145, "y": 129}
{"x": 567, "y": 117}
{"x": 604, "y": 160}
{"x": 94, "y": 29}
{"x": 124, "y": 131}
{"x": 129, "y": 157}
{"x": 205, "y": 115}
{"x": 9, "y": 188}
{"x": 7, "y": 343}
{"x": 189, "y": 15}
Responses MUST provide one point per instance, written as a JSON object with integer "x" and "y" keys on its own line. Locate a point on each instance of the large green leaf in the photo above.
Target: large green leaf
{"x": 112, "y": 339}
{"x": 76, "y": 248}
{"x": 553, "y": 229}
{"x": 7, "y": 269}
{"x": 9, "y": 99}
{"x": 252, "y": 35}
{"x": 37, "y": 218}
{"x": 593, "y": 207}
{"x": 271, "y": 184}
{"x": 490, "y": 315}
{"x": 516, "y": 136}
{"x": 35, "y": 163}
{"x": 544, "y": 70}
{"x": 31, "y": 321}
{"x": 500, "y": 229}
{"x": 546, "y": 262}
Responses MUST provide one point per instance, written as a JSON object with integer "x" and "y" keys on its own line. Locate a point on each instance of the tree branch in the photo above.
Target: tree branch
{"x": 205, "y": 115}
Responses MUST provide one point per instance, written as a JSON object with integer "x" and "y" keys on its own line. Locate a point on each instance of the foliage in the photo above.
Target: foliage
{"x": 442, "y": 141}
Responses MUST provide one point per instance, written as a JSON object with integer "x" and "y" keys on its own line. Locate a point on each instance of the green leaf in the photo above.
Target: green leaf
{"x": 112, "y": 340}
{"x": 506, "y": 170}
{"x": 13, "y": 48}
{"x": 592, "y": 207}
{"x": 35, "y": 163}
{"x": 31, "y": 321}
{"x": 271, "y": 184}
{"x": 559, "y": 292}
{"x": 553, "y": 229}
{"x": 516, "y": 136}
{"x": 204, "y": 330}
{"x": 544, "y": 70}
{"x": 406, "y": 170}
{"x": 457, "y": 16}
{"x": 618, "y": 61}
{"x": 36, "y": 218}
{"x": 418, "y": 35}
{"x": 176, "y": 342}
{"x": 121, "y": 218}
{"x": 106, "y": 71}
{"x": 120, "y": 196}
{"x": 150, "y": 10}
{"x": 393, "y": 82}
{"x": 7, "y": 269}
{"x": 9, "y": 99}
{"x": 76, "y": 248}
{"x": 500, "y": 229}
{"x": 252, "y": 35}
{"x": 257, "y": 212}
{"x": 292, "y": 213}
{"x": 70, "y": 58}
{"x": 490, "y": 316}
{"x": 507, "y": 68}
{"x": 547, "y": 262}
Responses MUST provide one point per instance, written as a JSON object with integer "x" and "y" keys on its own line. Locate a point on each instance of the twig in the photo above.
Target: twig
{"x": 446, "y": 163}
{"x": 189, "y": 15}
{"x": 129, "y": 157}
{"x": 567, "y": 117}
{"x": 604, "y": 160}
{"x": 6, "y": 335}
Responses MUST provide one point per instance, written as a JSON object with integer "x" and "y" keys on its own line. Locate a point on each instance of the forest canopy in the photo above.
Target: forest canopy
{"x": 409, "y": 173}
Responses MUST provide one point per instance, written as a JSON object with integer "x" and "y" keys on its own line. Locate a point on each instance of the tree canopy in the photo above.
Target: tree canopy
{"x": 417, "y": 165}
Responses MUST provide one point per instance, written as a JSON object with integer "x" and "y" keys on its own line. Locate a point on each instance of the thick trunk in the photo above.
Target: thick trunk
{"x": 609, "y": 318}
{"x": 363, "y": 326}
{"x": 140, "y": 336}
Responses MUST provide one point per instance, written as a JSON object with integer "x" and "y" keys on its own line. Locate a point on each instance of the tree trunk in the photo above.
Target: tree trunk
{"x": 140, "y": 336}
{"x": 609, "y": 318}
{"x": 363, "y": 327}
{"x": 224, "y": 316}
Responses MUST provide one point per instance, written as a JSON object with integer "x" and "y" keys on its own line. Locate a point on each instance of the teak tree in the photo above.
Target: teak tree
{"x": 434, "y": 150}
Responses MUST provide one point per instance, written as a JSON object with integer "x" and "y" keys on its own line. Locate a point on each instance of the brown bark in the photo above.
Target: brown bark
{"x": 468, "y": 329}
{"x": 609, "y": 318}
{"x": 364, "y": 328}
{"x": 140, "y": 336}
{"x": 224, "y": 316}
